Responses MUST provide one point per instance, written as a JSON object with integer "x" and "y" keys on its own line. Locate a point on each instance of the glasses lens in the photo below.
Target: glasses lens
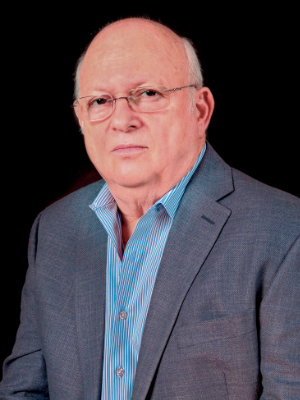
{"x": 149, "y": 99}
{"x": 99, "y": 107}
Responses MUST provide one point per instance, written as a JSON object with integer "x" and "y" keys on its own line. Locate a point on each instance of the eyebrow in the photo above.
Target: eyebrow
{"x": 134, "y": 86}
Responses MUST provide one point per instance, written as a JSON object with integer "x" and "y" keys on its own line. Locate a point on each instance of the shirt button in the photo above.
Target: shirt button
{"x": 120, "y": 372}
{"x": 123, "y": 315}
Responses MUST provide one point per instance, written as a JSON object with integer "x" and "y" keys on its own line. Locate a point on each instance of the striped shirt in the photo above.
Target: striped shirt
{"x": 130, "y": 279}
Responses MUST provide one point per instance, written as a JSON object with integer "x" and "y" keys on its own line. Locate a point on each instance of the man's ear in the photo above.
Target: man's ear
{"x": 205, "y": 106}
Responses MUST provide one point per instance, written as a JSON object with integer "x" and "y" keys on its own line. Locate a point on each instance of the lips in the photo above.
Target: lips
{"x": 128, "y": 148}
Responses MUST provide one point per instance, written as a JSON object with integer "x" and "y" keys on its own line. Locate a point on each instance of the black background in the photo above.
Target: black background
{"x": 249, "y": 59}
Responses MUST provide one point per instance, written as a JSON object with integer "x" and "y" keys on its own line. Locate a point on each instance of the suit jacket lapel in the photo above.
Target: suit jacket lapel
{"x": 197, "y": 225}
{"x": 90, "y": 304}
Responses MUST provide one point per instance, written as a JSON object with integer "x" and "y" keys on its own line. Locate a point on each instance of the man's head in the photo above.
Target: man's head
{"x": 136, "y": 149}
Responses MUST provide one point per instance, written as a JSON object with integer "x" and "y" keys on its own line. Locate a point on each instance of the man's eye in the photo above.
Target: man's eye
{"x": 98, "y": 101}
{"x": 150, "y": 93}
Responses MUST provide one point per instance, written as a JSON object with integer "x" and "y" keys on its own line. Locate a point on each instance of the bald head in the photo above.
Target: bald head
{"x": 138, "y": 29}
{"x": 143, "y": 143}
{"x": 130, "y": 37}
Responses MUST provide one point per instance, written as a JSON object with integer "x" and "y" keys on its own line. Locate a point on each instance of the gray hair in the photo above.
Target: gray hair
{"x": 76, "y": 75}
{"x": 195, "y": 71}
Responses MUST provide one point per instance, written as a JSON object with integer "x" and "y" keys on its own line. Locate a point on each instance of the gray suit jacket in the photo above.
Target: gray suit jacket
{"x": 223, "y": 322}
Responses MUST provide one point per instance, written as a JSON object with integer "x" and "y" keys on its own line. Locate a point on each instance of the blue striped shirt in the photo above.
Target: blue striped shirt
{"x": 130, "y": 279}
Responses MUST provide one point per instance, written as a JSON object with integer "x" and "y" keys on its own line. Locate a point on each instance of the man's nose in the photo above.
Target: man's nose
{"x": 124, "y": 118}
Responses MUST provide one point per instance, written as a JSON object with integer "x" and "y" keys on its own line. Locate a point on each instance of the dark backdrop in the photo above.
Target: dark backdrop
{"x": 249, "y": 61}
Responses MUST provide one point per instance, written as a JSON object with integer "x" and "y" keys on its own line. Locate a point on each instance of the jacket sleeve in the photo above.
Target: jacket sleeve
{"x": 24, "y": 371}
{"x": 280, "y": 331}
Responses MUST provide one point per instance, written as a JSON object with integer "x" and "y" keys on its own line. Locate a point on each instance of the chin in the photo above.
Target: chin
{"x": 130, "y": 181}
{"x": 130, "y": 177}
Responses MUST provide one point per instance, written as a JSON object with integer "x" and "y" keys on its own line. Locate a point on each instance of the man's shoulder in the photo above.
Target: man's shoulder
{"x": 240, "y": 187}
{"x": 254, "y": 206}
{"x": 252, "y": 191}
{"x": 71, "y": 209}
{"x": 79, "y": 198}
{"x": 246, "y": 189}
{"x": 258, "y": 207}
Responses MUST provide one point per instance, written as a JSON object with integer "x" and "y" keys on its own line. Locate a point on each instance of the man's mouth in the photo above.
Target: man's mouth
{"x": 128, "y": 149}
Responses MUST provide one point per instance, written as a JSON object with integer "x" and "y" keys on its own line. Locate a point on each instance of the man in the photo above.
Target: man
{"x": 181, "y": 280}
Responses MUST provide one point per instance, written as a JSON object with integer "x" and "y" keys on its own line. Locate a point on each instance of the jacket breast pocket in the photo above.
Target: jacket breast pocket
{"x": 219, "y": 329}
{"x": 228, "y": 344}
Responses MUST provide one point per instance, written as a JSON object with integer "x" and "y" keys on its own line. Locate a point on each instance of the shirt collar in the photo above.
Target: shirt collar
{"x": 170, "y": 201}
{"x": 104, "y": 199}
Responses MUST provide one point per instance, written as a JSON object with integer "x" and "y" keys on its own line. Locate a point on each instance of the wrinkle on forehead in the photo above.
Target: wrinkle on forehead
{"x": 136, "y": 39}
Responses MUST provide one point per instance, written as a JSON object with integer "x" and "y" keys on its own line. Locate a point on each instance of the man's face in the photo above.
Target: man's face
{"x": 134, "y": 149}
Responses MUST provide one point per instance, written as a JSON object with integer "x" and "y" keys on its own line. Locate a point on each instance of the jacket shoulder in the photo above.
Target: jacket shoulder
{"x": 71, "y": 211}
{"x": 264, "y": 207}
{"x": 256, "y": 191}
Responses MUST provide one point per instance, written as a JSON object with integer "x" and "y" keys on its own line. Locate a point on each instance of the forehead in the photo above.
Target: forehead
{"x": 135, "y": 53}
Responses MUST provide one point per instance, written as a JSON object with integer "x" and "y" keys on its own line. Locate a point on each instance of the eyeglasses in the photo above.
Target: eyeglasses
{"x": 142, "y": 99}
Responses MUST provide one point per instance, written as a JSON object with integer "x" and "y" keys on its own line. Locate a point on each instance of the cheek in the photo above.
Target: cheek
{"x": 171, "y": 134}
{"x": 95, "y": 147}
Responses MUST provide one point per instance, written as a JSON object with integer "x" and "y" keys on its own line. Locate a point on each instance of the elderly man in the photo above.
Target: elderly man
{"x": 175, "y": 277}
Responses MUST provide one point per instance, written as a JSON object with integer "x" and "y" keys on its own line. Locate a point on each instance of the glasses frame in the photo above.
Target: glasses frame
{"x": 130, "y": 100}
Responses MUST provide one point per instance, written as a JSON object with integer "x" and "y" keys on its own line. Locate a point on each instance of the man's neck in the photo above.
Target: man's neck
{"x": 133, "y": 203}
